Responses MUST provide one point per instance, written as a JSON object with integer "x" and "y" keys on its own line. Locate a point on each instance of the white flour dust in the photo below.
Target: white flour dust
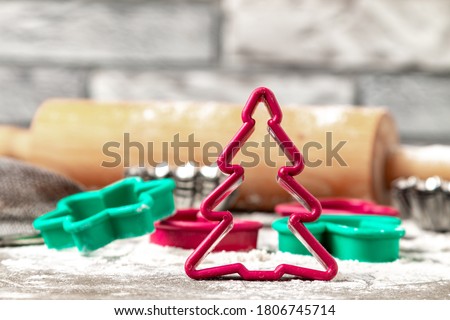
{"x": 425, "y": 258}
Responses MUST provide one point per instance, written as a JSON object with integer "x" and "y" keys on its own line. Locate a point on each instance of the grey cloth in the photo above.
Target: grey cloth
{"x": 27, "y": 192}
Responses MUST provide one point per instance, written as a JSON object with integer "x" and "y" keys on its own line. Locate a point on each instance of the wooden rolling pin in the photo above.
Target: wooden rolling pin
{"x": 80, "y": 139}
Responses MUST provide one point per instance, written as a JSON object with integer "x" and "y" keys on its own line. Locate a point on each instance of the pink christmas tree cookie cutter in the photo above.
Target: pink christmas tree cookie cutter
{"x": 286, "y": 179}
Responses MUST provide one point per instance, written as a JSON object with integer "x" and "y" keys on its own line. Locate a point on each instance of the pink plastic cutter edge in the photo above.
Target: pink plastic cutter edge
{"x": 187, "y": 220}
{"x": 341, "y": 206}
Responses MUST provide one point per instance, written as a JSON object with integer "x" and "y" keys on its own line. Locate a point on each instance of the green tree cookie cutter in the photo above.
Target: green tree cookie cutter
{"x": 364, "y": 238}
{"x": 91, "y": 220}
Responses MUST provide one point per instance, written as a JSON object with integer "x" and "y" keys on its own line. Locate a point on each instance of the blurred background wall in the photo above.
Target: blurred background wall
{"x": 394, "y": 53}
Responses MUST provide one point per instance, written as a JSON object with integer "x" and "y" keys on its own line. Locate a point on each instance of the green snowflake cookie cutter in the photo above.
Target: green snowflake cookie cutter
{"x": 92, "y": 219}
{"x": 365, "y": 238}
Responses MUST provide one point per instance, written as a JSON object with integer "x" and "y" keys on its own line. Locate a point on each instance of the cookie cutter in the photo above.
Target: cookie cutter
{"x": 187, "y": 229}
{"x": 193, "y": 183}
{"x": 425, "y": 201}
{"x": 92, "y": 219}
{"x": 366, "y": 238}
{"x": 401, "y": 194}
{"x": 341, "y": 206}
{"x": 285, "y": 179}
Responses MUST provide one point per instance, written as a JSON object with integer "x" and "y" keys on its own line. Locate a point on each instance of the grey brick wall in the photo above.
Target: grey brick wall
{"x": 90, "y": 32}
{"x": 343, "y": 34}
{"x": 24, "y": 88}
{"x": 354, "y": 52}
{"x": 291, "y": 87}
{"x": 420, "y": 103}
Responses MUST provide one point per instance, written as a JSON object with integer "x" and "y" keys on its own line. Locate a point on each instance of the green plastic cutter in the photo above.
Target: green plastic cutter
{"x": 366, "y": 238}
{"x": 90, "y": 220}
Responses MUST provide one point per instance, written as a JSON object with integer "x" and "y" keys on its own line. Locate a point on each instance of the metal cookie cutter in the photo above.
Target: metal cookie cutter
{"x": 426, "y": 201}
{"x": 90, "y": 220}
{"x": 187, "y": 229}
{"x": 341, "y": 206}
{"x": 367, "y": 238}
{"x": 401, "y": 195}
{"x": 193, "y": 183}
{"x": 185, "y": 178}
{"x": 286, "y": 180}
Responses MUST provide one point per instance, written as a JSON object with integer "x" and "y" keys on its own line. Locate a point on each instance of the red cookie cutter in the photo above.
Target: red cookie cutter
{"x": 187, "y": 229}
{"x": 340, "y": 206}
{"x": 285, "y": 178}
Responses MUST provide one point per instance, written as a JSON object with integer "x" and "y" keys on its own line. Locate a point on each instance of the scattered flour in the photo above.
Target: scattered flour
{"x": 425, "y": 258}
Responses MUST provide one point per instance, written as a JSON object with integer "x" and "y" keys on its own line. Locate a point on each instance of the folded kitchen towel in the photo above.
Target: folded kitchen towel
{"x": 27, "y": 192}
